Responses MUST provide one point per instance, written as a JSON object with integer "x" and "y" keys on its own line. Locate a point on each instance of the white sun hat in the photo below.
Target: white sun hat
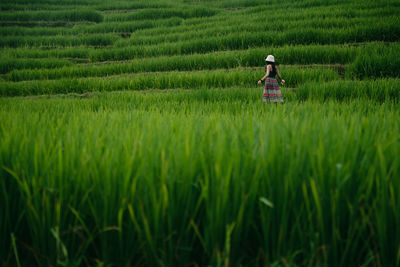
{"x": 270, "y": 58}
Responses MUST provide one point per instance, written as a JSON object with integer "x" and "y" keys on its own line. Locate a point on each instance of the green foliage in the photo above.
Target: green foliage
{"x": 67, "y": 52}
{"x": 182, "y": 164}
{"x": 162, "y": 13}
{"x": 234, "y": 41}
{"x": 227, "y": 60}
{"x": 109, "y": 27}
{"x": 209, "y": 79}
{"x": 376, "y": 63}
{"x": 8, "y": 64}
{"x": 71, "y": 15}
{"x": 378, "y": 90}
{"x": 199, "y": 173}
{"x": 60, "y": 41}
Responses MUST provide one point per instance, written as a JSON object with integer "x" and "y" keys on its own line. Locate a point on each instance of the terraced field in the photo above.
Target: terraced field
{"x": 133, "y": 133}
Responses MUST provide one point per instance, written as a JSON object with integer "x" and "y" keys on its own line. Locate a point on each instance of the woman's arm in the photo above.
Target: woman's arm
{"x": 265, "y": 76}
{"x": 279, "y": 75}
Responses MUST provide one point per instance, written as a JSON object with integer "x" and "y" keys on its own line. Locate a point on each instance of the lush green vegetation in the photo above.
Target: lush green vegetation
{"x": 204, "y": 176}
{"x": 209, "y": 79}
{"x": 133, "y": 133}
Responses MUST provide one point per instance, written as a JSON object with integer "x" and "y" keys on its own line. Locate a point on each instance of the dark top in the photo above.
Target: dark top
{"x": 272, "y": 73}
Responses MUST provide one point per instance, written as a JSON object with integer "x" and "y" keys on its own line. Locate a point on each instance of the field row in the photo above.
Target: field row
{"x": 93, "y": 16}
{"x": 329, "y": 54}
{"x": 208, "y": 79}
{"x": 182, "y": 33}
{"x": 95, "y": 5}
{"x": 335, "y": 16}
{"x": 198, "y": 180}
{"x": 225, "y": 4}
{"x": 173, "y": 29}
{"x": 58, "y": 68}
{"x": 385, "y": 31}
{"x": 96, "y": 55}
{"x": 138, "y": 11}
{"x": 317, "y": 84}
{"x": 379, "y": 32}
{"x": 372, "y": 60}
{"x": 278, "y": 20}
{"x": 132, "y": 5}
{"x": 110, "y": 27}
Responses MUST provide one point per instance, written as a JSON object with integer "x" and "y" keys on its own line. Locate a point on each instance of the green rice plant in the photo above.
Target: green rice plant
{"x": 345, "y": 11}
{"x": 166, "y": 179}
{"x": 376, "y": 62}
{"x": 8, "y": 64}
{"x": 123, "y": 5}
{"x": 177, "y": 63}
{"x": 64, "y": 15}
{"x": 298, "y": 54}
{"x": 126, "y": 26}
{"x": 221, "y": 21}
{"x": 35, "y": 6}
{"x": 250, "y": 40}
{"x": 66, "y": 52}
{"x": 109, "y": 27}
{"x": 42, "y": 31}
{"x": 201, "y": 173}
{"x": 158, "y": 13}
{"x": 208, "y": 79}
{"x": 218, "y": 60}
{"x": 51, "y": 2}
{"x": 203, "y": 30}
{"x": 380, "y": 90}
{"x": 68, "y": 41}
{"x": 21, "y": 7}
{"x": 32, "y": 24}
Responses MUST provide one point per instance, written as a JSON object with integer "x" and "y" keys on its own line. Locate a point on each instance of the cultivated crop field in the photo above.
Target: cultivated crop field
{"x": 132, "y": 133}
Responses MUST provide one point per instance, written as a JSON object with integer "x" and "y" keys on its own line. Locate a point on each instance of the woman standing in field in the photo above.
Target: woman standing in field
{"x": 272, "y": 92}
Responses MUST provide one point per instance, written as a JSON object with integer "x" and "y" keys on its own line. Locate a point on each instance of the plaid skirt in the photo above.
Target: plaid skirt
{"x": 272, "y": 92}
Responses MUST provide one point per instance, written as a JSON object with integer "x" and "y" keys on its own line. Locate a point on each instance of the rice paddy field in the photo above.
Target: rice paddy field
{"x": 133, "y": 133}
